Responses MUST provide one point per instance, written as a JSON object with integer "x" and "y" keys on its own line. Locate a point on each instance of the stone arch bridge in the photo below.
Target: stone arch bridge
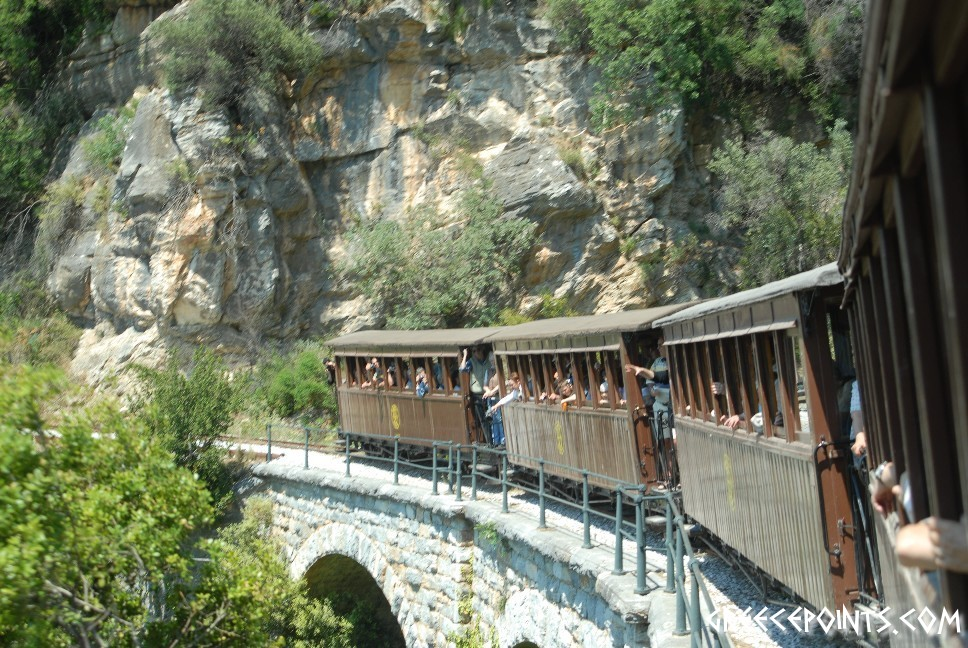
{"x": 450, "y": 568}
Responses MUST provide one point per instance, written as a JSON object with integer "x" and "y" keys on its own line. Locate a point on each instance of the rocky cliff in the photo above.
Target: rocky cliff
{"x": 211, "y": 232}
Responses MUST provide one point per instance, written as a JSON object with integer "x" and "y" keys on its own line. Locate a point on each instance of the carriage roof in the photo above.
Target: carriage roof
{"x": 582, "y": 333}
{"x": 427, "y": 342}
{"x": 769, "y": 307}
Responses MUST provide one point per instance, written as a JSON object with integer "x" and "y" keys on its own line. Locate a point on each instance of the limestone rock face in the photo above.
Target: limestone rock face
{"x": 228, "y": 229}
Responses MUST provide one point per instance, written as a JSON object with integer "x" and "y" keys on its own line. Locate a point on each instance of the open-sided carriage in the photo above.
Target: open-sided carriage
{"x": 606, "y": 429}
{"x": 383, "y": 400}
{"x": 905, "y": 227}
{"x": 773, "y": 484}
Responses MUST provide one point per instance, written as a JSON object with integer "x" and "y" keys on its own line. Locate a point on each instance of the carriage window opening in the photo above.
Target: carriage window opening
{"x": 693, "y": 406}
{"x": 765, "y": 390}
{"x": 749, "y": 393}
{"x": 704, "y": 377}
{"x": 732, "y": 378}
{"x": 578, "y": 380}
{"x": 788, "y": 414}
{"x": 678, "y": 381}
{"x": 547, "y": 373}
{"x": 613, "y": 393}
{"x": 714, "y": 375}
{"x": 592, "y": 373}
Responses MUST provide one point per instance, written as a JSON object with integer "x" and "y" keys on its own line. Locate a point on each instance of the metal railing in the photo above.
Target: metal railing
{"x": 445, "y": 461}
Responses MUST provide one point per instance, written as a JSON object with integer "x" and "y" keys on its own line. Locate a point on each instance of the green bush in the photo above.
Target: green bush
{"x": 105, "y": 146}
{"x": 784, "y": 200}
{"x": 713, "y": 53}
{"x": 188, "y": 413}
{"x": 426, "y": 275}
{"x": 226, "y": 46}
{"x": 32, "y": 331}
{"x": 298, "y": 385}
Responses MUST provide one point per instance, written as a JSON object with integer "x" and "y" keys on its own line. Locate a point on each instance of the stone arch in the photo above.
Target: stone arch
{"x": 345, "y": 540}
{"x": 516, "y": 626}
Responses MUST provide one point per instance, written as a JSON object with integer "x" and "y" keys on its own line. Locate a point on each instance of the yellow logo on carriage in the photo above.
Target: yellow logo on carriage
{"x": 730, "y": 483}
{"x": 560, "y": 438}
{"x": 395, "y": 416}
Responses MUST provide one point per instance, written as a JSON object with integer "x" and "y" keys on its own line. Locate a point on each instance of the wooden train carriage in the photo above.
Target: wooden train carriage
{"x": 905, "y": 221}
{"x": 606, "y": 429}
{"x": 775, "y": 488}
{"x": 384, "y": 401}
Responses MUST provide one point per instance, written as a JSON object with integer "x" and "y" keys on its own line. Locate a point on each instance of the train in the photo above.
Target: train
{"x": 760, "y": 380}
{"x": 792, "y": 480}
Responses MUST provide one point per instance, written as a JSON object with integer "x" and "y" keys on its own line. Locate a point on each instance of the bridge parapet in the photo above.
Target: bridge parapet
{"x": 449, "y": 567}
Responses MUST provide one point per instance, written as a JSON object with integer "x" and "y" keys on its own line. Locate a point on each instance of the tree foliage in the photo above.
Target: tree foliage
{"x": 104, "y": 540}
{"x": 297, "y": 383}
{"x": 786, "y": 200}
{"x": 225, "y": 46}
{"x": 87, "y": 518}
{"x": 710, "y": 53}
{"x": 423, "y": 275}
{"x": 188, "y": 413}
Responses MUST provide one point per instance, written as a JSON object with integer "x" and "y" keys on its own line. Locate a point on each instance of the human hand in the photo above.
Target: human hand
{"x": 950, "y": 541}
{"x": 731, "y": 422}
{"x": 882, "y": 488}
{"x": 860, "y": 444}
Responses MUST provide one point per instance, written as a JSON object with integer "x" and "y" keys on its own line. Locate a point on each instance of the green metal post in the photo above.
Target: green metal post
{"x": 619, "y": 536}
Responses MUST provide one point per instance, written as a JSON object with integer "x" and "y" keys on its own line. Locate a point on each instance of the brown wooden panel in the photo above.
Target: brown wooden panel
{"x": 758, "y": 496}
{"x": 598, "y": 441}
{"x": 389, "y": 413}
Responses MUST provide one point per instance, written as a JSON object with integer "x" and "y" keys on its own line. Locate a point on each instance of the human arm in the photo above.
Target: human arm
{"x": 640, "y": 371}
{"x": 934, "y": 543}
{"x": 514, "y": 394}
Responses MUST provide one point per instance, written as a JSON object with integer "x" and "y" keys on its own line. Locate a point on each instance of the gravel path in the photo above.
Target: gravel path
{"x": 731, "y": 592}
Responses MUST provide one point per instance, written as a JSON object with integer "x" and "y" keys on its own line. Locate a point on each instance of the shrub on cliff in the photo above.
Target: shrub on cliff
{"x": 223, "y": 47}
{"x": 785, "y": 200}
{"x": 713, "y": 53}
{"x": 422, "y": 274}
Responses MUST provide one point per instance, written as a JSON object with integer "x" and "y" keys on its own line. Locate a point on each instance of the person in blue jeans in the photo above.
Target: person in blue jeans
{"x": 497, "y": 422}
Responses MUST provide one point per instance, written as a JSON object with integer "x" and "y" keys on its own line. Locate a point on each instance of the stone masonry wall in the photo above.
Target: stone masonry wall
{"x": 448, "y": 568}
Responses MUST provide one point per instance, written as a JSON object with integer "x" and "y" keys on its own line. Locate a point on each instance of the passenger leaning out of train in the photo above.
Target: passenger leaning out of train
{"x": 374, "y": 377}
{"x": 858, "y": 435}
{"x": 423, "y": 385}
{"x": 660, "y": 388}
{"x": 563, "y": 393}
{"x": 929, "y": 544}
{"x": 491, "y": 397}
{"x": 475, "y": 364}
